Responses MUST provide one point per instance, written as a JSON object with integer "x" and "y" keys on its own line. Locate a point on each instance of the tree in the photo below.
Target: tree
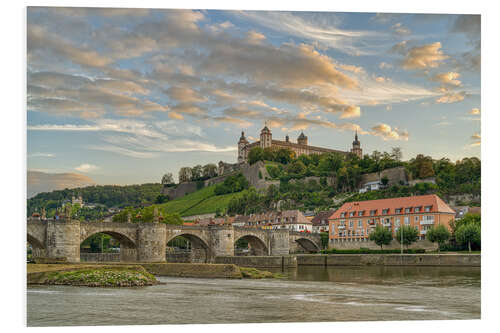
{"x": 209, "y": 170}
{"x": 439, "y": 234}
{"x": 385, "y": 180}
{"x": 397, "y": 153}
{"x": 296, "y": 168}
{"x": 410, "y": 235}
{"x": 196, "y": 172}
{"x": 381, "y": 236}
{"x": 167, "y": 179}
{"x": 468, "y": 234}
{"x": 255, "y": 154}
{"x": 185, "y": 174}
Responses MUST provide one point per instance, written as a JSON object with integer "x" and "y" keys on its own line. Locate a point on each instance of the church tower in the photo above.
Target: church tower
{"x": 242, "y": 144}
{"x": 265, "y": 138}
{"x": 302, "y": 139}
{"x": 356, "y": 146}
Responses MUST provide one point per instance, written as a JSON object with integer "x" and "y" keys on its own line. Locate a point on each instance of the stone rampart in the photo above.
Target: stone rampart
{"x": 259, "y": 261}
{"x": 99, "y": 257}
{"x": 357, "y": 244}
{"x": 390, "y": 260}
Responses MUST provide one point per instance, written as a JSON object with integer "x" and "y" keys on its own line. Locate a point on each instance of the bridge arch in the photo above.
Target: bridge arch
{"x": 199, "y": 246}
{"x": 37, "y": 246}
{"x": 308, "y": 245}
{"x": 128, "y": 247}
{"x": 257, "y": 245}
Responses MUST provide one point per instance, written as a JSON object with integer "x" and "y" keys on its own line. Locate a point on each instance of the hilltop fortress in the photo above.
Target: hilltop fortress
{"x": 299, "y": 148}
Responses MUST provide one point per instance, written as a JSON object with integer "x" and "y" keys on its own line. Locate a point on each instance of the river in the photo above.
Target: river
{"x": 308, "y": 294}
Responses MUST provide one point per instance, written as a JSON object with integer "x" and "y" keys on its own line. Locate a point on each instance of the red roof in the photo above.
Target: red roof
{"x": 436, "y": 203}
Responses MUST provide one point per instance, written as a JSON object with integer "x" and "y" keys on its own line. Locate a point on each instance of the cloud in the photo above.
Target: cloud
{"x": 475, "y": 111}
{"x": 451, "y": 97}
{"x": 386, "y": 132}
{"x": 315, "y": 27}
{"x": 45, "y": 182}
{"x": 449, "y": 78}
{"x": 476, "y": 140}
{"x": 86, "y": 168}
{"x": 41, "y": 155}
{"x": 384, "y": 65}
{"x": 399, "y": 29}
{"x": 424, "y": 57}
{"x": 351, "y": 68}
{"x": 185, "y": 95}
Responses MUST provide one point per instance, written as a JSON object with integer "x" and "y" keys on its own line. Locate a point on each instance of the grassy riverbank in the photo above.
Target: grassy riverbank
{"x": 91, "y": 276}
{"x": 132, "y": 275}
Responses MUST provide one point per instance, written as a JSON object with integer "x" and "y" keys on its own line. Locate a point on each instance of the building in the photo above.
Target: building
{"x": 301, "y": 147}
{"x": 370, "y": 186}
{"x": 354, "y": 221}
{"x": 320, "y": 222}
{"x": 78, "y": 200}
{"x": 293, "y": 220}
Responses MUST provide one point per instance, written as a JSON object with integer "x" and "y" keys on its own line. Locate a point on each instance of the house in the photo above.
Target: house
{"x": 320, "y": 222}
{"x": 293, "y": 220}
{"x": 241, "y": 220}
{"x": 354, "y": 221}
{"x": 370, "y": 186}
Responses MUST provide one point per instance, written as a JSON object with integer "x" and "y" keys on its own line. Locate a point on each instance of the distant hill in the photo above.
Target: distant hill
{"x": 107, "y": 195}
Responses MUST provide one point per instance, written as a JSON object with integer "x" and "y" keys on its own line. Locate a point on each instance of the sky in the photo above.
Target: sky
{"x": 122, "y": 96}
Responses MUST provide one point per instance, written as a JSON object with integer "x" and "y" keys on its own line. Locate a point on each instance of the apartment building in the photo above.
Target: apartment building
{"x": 354, "y": 221}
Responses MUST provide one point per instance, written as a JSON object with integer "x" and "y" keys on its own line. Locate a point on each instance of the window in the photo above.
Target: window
{"x": 416, "y": 218}
{"x": 397, "y": 222}
{"x": 361, "y": 213}
{"x": 428, "y": 208}
{"x": 398, "y": 210}
{"x": 417, "y": 209}
{"x": 360, "y": 223}
{"x": 407, "y": 210}
{"x": 342, "y": 214}
{"x": 407, "y": 220}
{"x": 373, "y": 212}
{"x": 429, "y": 217}
{"x": 385, "y": 211}
{"x": 351, "y": 224}
{"x": 352, "y": 213}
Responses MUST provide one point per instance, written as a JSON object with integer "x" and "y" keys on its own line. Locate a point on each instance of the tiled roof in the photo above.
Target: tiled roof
{"x": 323, "y": 215}
{"x": 436, "y": 203}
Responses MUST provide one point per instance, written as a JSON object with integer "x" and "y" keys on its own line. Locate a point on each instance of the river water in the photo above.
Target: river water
{"x": 308, "y": 294}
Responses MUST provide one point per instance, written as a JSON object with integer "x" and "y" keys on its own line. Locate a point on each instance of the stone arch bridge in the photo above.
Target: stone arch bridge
{"x": 147, "y": 242}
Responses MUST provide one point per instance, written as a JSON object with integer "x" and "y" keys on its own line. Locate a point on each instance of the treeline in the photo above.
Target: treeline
{"x": 106, "y": 195}
{"x": 197, "y": 173}
{"x": 232, "y": 184}
{"x": 146, "y": 214}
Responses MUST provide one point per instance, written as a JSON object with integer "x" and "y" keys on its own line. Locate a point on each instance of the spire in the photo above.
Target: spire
{"x": 356, "y": 136}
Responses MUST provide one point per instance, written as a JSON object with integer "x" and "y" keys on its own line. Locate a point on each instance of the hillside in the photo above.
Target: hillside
{"x": 106, "y": 195}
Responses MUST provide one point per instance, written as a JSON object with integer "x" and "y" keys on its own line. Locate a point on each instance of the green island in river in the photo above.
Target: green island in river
{"x": 104, "y": 275}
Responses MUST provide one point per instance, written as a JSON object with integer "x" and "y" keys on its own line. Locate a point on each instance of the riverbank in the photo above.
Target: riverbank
{"x": 90, "y": 275}
{"x": 453, "y": 260}
{"x": 139, "y": 274}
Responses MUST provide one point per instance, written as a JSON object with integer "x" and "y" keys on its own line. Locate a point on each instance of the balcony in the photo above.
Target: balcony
{"x": 341, "y": 227}
{"x": 423, "y": 232}
{"x": 427, "y": 222}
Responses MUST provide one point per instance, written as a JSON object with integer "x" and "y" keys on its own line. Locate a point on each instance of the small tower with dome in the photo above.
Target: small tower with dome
{"x": 266, "y": 138}
{"x": 356, "y": 146}
{"x": 242, "y": 143}
{"x": 302, "y": 139}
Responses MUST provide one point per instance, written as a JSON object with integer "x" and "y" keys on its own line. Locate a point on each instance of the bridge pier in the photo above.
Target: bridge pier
{"x": 151, "y": 242}
{"x": 63, "y": 239}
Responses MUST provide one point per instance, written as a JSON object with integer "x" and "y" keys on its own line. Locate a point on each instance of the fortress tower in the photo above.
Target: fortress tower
{"x": 266, "y": 138}
{"x": 242, "y": 143}
{"x": 302, "y": 139}
{"x": 356, "y": 146}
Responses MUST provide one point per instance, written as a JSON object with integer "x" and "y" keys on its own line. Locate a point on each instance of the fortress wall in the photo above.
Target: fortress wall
{"x": 395, "y": 175}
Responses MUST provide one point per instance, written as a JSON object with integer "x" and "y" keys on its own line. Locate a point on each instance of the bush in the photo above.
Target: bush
{"x": 232, "y": 184}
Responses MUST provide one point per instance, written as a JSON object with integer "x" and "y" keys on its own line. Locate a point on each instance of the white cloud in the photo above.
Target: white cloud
{"x": 86, "y": 168}
{"x": 41, "y": 155}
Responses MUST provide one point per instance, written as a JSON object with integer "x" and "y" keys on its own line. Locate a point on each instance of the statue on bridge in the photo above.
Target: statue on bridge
{"x": 155, "y": 215}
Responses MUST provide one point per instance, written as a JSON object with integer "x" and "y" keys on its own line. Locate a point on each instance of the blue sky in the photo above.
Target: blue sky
{"x": 121, "y": 96}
